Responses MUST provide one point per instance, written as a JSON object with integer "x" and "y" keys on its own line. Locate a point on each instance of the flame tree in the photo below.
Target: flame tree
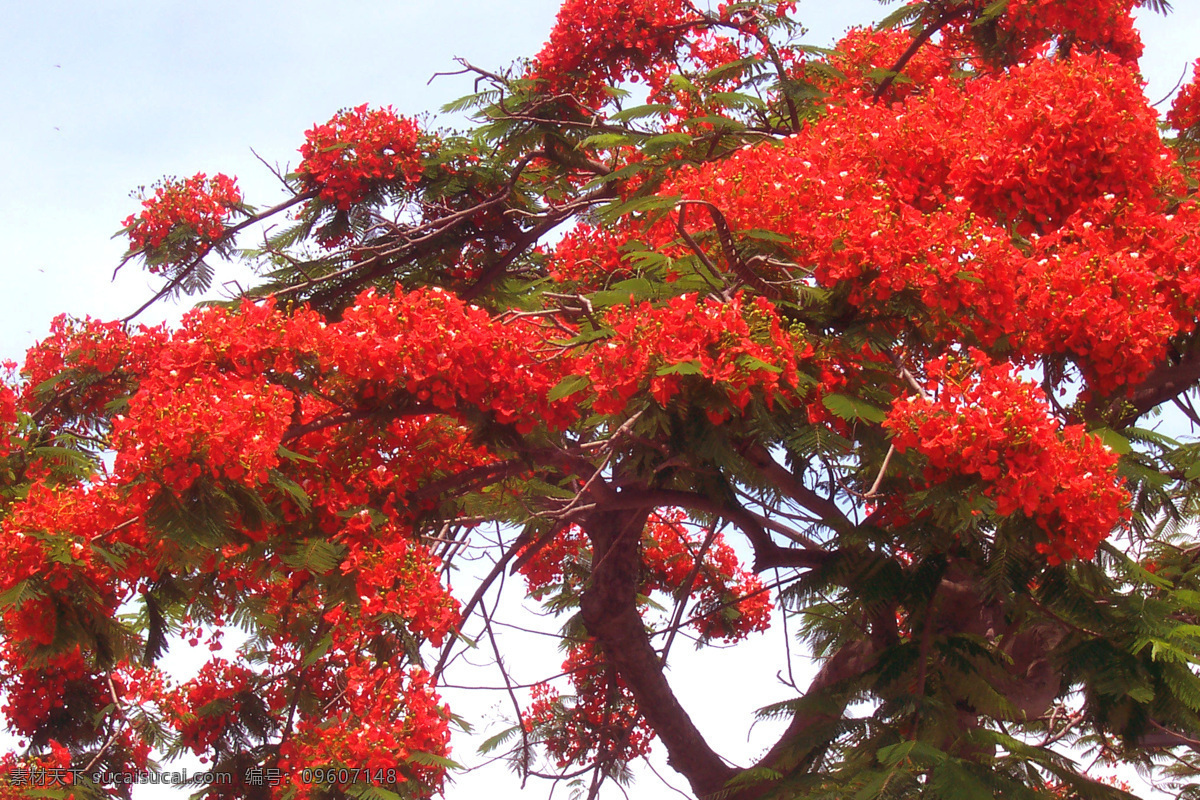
{"x": 892, "y": 319}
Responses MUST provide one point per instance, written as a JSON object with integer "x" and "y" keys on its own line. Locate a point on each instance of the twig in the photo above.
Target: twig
{"x": 887, "y": 459}
{"x": 685, "y": 590}
{"x": 525, "y": 746}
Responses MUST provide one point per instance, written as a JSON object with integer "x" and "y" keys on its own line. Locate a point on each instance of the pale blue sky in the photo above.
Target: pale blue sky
{"x": 104, "y": 96}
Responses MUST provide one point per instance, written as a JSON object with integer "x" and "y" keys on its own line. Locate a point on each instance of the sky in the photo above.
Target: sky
{"x": 105, "y": 96}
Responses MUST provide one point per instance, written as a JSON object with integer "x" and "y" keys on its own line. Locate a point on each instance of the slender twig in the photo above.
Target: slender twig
{"x": 231, "y": 231}
{"x": 918, "y": 42}
{"x": 496, "y": 572}
{"x": 1178, "y": 83}
{"x": 685, "y": 589}
{"x": 512, "y": 695}
{"x": 887, "y": 459}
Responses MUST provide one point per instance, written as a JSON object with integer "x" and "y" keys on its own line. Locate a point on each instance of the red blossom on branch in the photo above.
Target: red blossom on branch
{"x": 598, "y": 42}
{"x": 1184, "y": 115}
{"x": 357, "y": 152}
{"x": 183, "y": 220}
{"x": 988, "y": 424}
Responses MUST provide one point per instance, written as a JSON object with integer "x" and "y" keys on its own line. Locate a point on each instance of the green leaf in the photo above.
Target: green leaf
{"x": 49, "y": 383}
{"x": 432, "y": 760}
{"x": 64, "y": 455}
{"x": 904, "y": 15}
{"x": 951, "y": 781}
{"x": 319, "y": 650}
{"x": 318, "y": 556}
{"x": 912, "y": 750}
{"x": 738, "y": 100}
{"x": 1141, "y": 693}
{"x": 492, "y": 742}
{"x": 291, "y": 455}
{"x": 471, "y": 101}
{"x": 992, "y": 11}
{"x": 664, "y": 142}
{"x": 568, "y": 386}
{"x": 765, "y": 236}
{"x": 639, "y": 112}
{"x": 605, "y": 140}
{"x": 370, "y": 791}
{"x": 586, "y": 337}
{"x": 18, "y": 595}
{"x": 292, "y": 489}
{"x": 1113, "y": 440}
{"x": 624, "y": 291}
{"x": 680, "y": 82}
{"x": 649, "y": 203}
{"x": 851, "y": 408}
{"x": 682, "y": 368}
{"x": 754, "y": 362}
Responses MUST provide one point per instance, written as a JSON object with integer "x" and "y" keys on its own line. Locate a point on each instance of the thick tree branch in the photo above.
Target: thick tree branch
{"x": 1169, "y": 380}
{"x": 791, "y": 485}
{"x": 609, "y": 609}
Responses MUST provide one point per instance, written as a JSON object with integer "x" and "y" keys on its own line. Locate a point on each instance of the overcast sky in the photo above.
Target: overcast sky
{"x": 105, "y": 96}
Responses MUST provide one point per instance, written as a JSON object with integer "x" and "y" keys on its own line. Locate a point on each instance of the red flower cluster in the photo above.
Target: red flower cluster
{"x": 730, "y": 603}
{"x": 358, "y": 152}
{"x": 600, "y": 42}
{"x": 1048, "y": 137}
{"x": 205, "y": 708}
{"x": 15, "y": 783}
{"x": 1185, "y": 108}
{"x": 738, "y": 348}
{"x": 1112, "y": 287}
{"x": 1088, "y": 25}
{"x": 865, "y": 56}
{"x": 396, "y": 578}
{"x": 183, "y": 220}
{"x": 381, "y": 719}
{"x": 990, "y": 426}
{"x": 80, "y": 368}
{"x": 918, "y": 203}
{"x": 8, "y": 418}
{"x": 601, "y": 718}
{"x": 39, "y": 697}
{"x": 237, "y": 386}
{"x": 227, "y": 426}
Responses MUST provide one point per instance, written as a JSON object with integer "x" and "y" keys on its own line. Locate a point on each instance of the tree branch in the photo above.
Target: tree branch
{"x": 609, "y": 610}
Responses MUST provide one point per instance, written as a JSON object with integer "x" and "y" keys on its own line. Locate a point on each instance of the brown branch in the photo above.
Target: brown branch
{"x": 725, "y": 236}
{"x": 918, "y": 42}
{"x": 791, "y": 485}
{"x": 1166, "y": 382}
{"x": 1165, "y": 737}
{"x": 229, "y": 233}
{"x": 768, "y": 554}
{"x": 810, "y": 729}
{"x": 609, "y": 610}
{"x": 551, "y": 221}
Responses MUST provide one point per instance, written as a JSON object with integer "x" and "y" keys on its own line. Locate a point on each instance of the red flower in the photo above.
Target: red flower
{"x": 183, "y": 220}
{"x": 357, "y": 152}
{"x": 991, "y": 426}
{"x": 595, "y": 42}
{"x": 1185, "y": 109}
